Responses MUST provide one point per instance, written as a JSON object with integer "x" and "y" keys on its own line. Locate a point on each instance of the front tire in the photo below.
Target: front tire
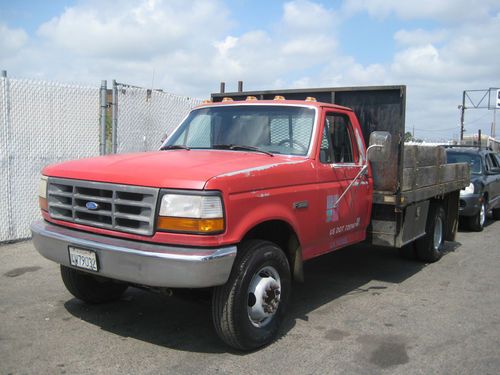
{"x": 248, "y": 310}
{"x": 429, "y": 248}
{"x": 89, "y": 288}
{"x": 476, "y": 222}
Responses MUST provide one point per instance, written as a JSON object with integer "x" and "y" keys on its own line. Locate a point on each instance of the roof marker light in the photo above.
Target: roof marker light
{"x": 227, "y": 99}
{"x": 279, "y": 97}
{"x": 207, "y": 101}
{"x": 310, "y": 99}
{"x": 251, "y": 98}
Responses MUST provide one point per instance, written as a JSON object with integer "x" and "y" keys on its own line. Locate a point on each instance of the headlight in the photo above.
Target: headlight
{"x": 42, "y": 193}
{"x": 468, "y": 190}
{"x": 191, "y": 213}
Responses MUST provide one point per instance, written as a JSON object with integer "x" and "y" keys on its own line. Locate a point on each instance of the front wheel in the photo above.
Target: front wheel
{"x": 248, "y": 310}
{"x": 476, "y": 222}
{"x": 89, "y": 288}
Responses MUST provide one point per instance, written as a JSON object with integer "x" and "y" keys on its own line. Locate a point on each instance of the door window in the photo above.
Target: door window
{"x": 492, "y": 163}
{"x": 336, "y": 143}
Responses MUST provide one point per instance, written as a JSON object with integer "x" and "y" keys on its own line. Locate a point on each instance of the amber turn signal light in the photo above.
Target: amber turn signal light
{"x": 182, "y": 224}
{"x": 42, "y": 202}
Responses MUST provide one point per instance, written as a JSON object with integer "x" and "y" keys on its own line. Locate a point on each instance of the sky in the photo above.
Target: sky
{"x": 437, "y": 48}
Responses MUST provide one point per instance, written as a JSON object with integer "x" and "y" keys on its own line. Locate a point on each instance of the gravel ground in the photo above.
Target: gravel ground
{"x": 360, "y": 311}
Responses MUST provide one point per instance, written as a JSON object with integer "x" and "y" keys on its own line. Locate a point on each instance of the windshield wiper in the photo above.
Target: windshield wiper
{"x": 241, "y": 148}
{"x": 174, "y": 147}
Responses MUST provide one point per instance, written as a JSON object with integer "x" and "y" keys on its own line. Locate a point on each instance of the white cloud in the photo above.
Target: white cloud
{"x": 304, "y": 16}
{"x": 11, "y": 40}
{"x": 135, "y": 30}
{"x": 224, "y": 46}
{"x": 419, "y": 37}
{"x": 453, "y": 11}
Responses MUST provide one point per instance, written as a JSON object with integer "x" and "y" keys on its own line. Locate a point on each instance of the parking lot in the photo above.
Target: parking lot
{"x": 360, "y": 310}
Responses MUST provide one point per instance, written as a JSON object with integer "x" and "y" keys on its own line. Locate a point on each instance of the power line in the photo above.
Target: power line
{"x": 438, "y": 130}
{"x": 477, "y": 119}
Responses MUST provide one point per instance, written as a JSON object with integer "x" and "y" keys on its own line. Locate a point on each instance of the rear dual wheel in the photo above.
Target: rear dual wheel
{"x": 248, "y": 310}
{"x": 429, "y": 248}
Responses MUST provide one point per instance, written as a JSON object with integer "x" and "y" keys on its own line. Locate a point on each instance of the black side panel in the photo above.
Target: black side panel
{"x": 382, "y": 110}
{"x": 377, "y": 108}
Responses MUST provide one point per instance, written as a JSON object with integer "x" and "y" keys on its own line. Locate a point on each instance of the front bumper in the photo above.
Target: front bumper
{"x": 470, "y": 205}
{"x": 138, "y": 262}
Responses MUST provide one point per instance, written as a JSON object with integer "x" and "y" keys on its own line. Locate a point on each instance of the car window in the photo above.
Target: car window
{"x": 336, "y": 142}
{"x": 492, "y": 162}
{"x": 489, "y": 164}
{"x": 462, "y": 157}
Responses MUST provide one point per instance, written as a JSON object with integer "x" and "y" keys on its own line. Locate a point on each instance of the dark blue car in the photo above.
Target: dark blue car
{"x": 483, "y": 193}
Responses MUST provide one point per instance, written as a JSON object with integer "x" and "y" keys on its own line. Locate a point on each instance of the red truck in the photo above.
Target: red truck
{"x": 246, "y": 189}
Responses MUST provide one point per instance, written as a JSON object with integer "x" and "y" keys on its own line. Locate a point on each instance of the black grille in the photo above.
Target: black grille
{"x": 124, "y": 208}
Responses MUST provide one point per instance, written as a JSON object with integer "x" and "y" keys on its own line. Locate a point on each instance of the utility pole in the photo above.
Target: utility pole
{"x": 494, "y": 123}
{"x": 462, "y": 118}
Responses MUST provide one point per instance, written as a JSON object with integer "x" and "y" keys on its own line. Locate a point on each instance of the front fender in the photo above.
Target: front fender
{"x": 246, "y": 212}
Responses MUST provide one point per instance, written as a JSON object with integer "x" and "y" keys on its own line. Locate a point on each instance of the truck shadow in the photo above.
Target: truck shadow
{"x": 186, "y": 325}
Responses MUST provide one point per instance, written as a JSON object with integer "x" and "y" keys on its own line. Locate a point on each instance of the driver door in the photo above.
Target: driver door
{"x": 343, "y": 222}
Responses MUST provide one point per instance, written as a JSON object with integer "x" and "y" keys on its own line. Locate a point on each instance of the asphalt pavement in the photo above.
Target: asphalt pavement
{"x": 360, "y": 311}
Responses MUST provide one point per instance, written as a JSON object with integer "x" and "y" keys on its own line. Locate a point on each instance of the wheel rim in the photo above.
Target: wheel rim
{"x": 264, "y": 294}
{"x": 438, "y": 233}
{"x": 482, "y": 215}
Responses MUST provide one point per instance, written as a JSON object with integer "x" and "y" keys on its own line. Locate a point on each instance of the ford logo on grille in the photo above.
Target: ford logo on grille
{"x": 92, "y": 206}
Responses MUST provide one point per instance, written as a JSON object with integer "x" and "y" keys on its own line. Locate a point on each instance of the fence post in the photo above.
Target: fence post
{"x": 8, "y": 149}
{"x": 114, "y": 118}
{"x": 103, "y": 94}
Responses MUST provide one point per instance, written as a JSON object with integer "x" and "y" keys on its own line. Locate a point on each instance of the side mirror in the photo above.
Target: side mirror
{"x": 380, "y": 146}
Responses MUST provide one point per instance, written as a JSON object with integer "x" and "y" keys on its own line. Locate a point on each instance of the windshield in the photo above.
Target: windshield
{"x": 268, "y": 128}
{"x": 473, "y": 160}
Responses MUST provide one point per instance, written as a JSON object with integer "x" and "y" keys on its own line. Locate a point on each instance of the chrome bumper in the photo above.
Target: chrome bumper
{"x": 138, "y": 262}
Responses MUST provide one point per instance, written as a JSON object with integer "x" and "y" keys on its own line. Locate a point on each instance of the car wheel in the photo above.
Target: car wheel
{"x": 248, "y": 310}
{"x": 89, "y": 288}
{"x": 429, "y": 248}
{"x": 476, "y": 222}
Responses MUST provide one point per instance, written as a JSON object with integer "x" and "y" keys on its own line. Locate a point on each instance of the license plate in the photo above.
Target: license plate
{"x": 81, "y": 258}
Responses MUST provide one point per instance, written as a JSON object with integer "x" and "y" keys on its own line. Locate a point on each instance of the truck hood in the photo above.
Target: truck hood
{"x": 177, "y": 169}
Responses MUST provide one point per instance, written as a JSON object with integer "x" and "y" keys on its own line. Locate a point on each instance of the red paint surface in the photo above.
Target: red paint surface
{"x": 255, "y": 188}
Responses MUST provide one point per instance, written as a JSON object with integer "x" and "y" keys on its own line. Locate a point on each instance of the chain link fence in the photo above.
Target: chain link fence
{"x": 144, "y": 116}
{"x": 42, "y": 123}
{"x": 48, "y": 122}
